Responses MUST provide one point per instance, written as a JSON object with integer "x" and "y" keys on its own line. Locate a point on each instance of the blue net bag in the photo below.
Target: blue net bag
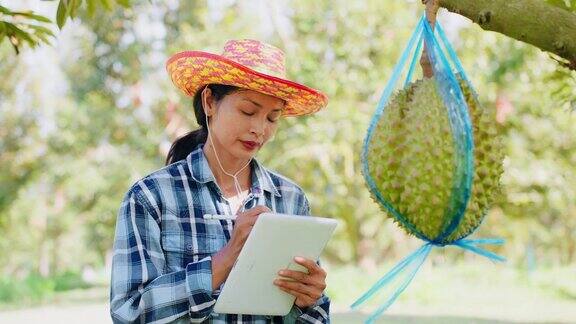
{"x": 431, "y": 158}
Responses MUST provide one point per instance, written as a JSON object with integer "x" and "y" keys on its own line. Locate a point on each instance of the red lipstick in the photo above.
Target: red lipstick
{"x": 249, "y": 145}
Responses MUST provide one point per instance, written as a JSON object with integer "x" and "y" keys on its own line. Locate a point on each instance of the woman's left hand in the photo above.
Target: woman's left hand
{"x": 306, "y": 287}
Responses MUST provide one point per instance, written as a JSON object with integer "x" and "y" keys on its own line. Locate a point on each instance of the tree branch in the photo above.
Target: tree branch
{"x": 535, "y": 22}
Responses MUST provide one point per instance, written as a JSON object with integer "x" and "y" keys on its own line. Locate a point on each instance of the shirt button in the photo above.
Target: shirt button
{"x": 189, "y": 247}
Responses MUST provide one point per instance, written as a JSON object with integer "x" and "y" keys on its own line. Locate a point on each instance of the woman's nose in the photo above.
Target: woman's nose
{"x": 258, "y": 128}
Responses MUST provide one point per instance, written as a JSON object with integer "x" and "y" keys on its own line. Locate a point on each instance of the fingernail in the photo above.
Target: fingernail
{"x": 282, "y": 272}
{"x": 299, "y": 259}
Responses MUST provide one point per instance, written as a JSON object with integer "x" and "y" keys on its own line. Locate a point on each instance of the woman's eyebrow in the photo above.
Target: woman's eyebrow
{"x": 259, "y": 105}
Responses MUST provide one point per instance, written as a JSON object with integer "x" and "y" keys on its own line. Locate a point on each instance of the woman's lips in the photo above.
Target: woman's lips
{"x": 249, "y": 145}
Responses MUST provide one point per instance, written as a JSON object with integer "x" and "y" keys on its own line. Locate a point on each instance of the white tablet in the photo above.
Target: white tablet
{"x": 271, "y": 246}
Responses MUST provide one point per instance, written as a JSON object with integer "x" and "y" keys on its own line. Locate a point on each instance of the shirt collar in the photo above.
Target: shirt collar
{"x": 200, "y": 171}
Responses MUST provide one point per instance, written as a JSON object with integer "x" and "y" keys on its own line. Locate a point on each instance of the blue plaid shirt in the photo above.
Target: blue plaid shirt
{"x": 162, "y": 266}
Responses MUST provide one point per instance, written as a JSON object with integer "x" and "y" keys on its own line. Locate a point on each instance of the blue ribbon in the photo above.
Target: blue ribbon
{"x": 451, "y": 52}
{"x": 413, "y": 63}
{"x": 416, "y": 259}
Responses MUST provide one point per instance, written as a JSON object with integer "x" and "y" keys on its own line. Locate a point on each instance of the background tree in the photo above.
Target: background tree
{"x": 547, "y": 24}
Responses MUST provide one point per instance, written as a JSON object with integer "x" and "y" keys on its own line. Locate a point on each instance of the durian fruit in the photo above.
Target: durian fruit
{"x": 411, "y": 159}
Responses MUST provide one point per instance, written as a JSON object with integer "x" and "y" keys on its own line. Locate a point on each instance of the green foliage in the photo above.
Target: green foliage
{"x": 20, "y": 27}
{"x": 564, "y": 81}
{"x": 69, "y": 280}
{"x": 34, "y": 288}
{"x": 71, "y": 8}
{"x": 68, "y": 157}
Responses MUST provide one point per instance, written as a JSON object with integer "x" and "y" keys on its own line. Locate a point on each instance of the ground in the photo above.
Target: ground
{"x": 476, "y": 292}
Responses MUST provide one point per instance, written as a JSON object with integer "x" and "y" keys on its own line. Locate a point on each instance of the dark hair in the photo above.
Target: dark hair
{"x": 184, "y": 145}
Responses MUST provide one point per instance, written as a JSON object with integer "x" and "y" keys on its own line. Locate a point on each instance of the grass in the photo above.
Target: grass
{"x": 35, "y": 288}
{"x": 472, "y": 292}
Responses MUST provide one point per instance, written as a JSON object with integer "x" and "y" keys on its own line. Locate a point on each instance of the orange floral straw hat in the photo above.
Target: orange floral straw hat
{"x": 247, "y": 64}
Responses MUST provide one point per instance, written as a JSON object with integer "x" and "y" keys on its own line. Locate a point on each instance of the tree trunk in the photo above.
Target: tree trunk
{"x": 535, "y": 22}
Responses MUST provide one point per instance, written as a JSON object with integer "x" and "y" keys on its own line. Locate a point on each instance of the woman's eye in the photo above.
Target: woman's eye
{"x": 247, "y": 113}
{"x": 272, "y": 120}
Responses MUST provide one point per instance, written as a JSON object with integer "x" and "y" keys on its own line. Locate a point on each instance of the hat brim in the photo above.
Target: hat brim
{"x": 191, "y": 70}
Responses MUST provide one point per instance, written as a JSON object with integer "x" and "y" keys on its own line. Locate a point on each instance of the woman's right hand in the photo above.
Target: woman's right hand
{"x": 243, "y": 226}
{"x": 223, "y": 261}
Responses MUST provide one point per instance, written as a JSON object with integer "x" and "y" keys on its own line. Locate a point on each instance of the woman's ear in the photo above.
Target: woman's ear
{"x": 208, "y": 102}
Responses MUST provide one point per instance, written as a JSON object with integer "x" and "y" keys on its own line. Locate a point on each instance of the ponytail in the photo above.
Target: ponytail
{"x": 186, "y": 144}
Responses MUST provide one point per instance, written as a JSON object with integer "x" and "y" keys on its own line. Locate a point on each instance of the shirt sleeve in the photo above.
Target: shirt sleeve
{"x": 318, "y": 313}
{"x": 140, "y": 289}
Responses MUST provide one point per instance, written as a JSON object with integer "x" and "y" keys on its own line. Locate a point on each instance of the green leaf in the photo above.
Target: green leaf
{"x": 107, "y": 4}
{"x": 73, "y": 6}
{"x": 32, "y": 16}
{"x": 5, "y": 11}
{"x": 91, "y": 4}
{"x": 43, "y": 39}
{"x": 61, "y": 14}
{"x": 124, "y": 3}
{"x": 41, "y": 30}
{"x": 20, "y": 34}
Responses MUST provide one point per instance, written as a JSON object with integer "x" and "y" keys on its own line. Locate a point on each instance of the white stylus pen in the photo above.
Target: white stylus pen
{"x": 219, "y": 217}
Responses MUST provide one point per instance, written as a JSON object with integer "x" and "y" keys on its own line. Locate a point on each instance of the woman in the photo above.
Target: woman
{"x": 169, "y": 262}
